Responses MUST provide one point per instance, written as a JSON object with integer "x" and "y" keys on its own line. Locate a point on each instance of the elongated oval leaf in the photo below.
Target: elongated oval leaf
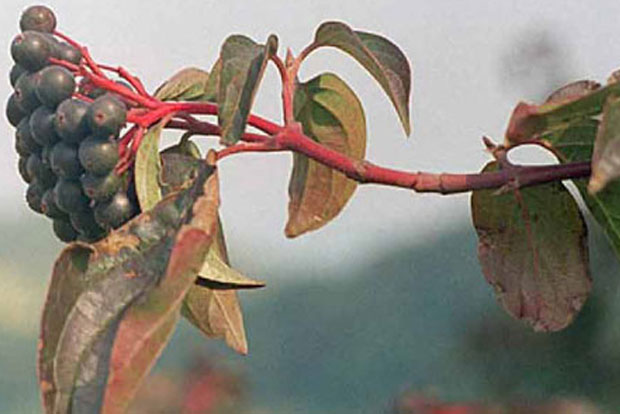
{"x": 532, "y": 250}
{"x": 121, "y": 269}
{"x": 379, "y": 56}
{"x": 186, "y": 85}
{"x": 243, "y": 64}
{"x": 147, "y": 168}
{"x": 331, "y": 114}
{"x": 68, "y": 280}
{"x": 606, "y": 153}
{"x": 147, "y": 326}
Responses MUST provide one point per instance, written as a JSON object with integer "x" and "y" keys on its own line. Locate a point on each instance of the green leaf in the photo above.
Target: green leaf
{"x": 606, "y": 153}
{"x": 379, "y": 56}
{"x": 243, "y": 63}
{"x": 575, "y": 144}
{"x": 147, "y": 168}
{"x": 532, "y": 121}
{"x": 186, "y": 85}
{"x": 212, "y": 87}
{"x": 121, "y": 269}
{"x": 533, "y": 250}
{"x": 68, "y": 280}
{"x": 217, "y": 274}
{"x": 148, "y": 325}
{"x": 331, "y": 114}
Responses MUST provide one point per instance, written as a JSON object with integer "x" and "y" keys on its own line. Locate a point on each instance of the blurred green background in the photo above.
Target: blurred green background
{"x": 413, "y": 318}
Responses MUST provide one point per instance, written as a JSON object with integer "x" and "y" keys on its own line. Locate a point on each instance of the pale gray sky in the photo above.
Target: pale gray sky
{"x": 455, "y": 49}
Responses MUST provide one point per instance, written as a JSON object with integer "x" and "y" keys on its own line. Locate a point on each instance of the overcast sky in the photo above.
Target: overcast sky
{"x": 470, "y": 67}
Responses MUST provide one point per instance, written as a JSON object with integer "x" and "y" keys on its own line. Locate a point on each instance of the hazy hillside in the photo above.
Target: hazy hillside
{"x": 420, "y": 318}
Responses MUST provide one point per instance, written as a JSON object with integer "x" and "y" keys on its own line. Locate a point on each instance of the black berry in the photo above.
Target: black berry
{"x": 101, "y": 188}
{"x": 84, "y": 222}
{"x": 107, "y": 115}
{"x": 68, "y": 53}
{"x": 24, "y": 142}
{"x": 55, "y": 85}
{"x": 23, "y": 171}
{"x": 40, "y": 171}
{"x": 64, "y": 160}
{"x": 98, "y": 155}
{"x": 32, "y": 50}
{"x": 70, "y": 120}
{"x": 69, "y": 196}
{"x": 38, "y": 18}
{"x": 64, "y": 230}
{"x": 49, "y": 206}
{"x": 42, "y": 126}
{"x": 16, "y": 72}
{"x": 34, "y": 194}
{"x": 25, "y": 92}
{"x": 115, "y": 212}
{"x": 14, "y": 112}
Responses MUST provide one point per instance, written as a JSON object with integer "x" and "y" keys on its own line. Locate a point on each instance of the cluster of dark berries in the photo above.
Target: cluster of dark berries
{"x": 68, "y": 148}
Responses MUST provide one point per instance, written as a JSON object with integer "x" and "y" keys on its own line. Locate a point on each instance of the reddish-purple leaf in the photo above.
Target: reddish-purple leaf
{"x": 532, "y": 250}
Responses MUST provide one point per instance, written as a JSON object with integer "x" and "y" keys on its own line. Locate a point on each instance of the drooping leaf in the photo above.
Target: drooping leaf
{"x": 531, "y": 121}
{"x": 243, "y": 63}
{"x": 186, "y": 85}
{"x": 121, "y": 269}
{"x": 147, "y": 168}
{"x": 217, "y": 313}
{"x": 379, "y": 56}
{"x": 331, "y": 114}
{"x": 606, "y": 153}
{"x": 147, "y": 326}
{"x": 532, "y": 250}
{"x": 68, "y": 280}
{"x": 217, "y": 274}
{"x": 575, "y": 144}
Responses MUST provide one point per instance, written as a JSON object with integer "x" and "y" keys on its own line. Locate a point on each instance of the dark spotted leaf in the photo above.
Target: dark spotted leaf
{"x": 116, "y": 273}
{"x": 532, "y": 250}
{"x": 69, "y": 278}
{"x": 331, "y": 114}
{"x": 606, "y": 153}
{"x": 379, "y": 56}
{"x": 147, "y": 326}
{"x": 243, "y": 63}
{"x": 186, "y": 85}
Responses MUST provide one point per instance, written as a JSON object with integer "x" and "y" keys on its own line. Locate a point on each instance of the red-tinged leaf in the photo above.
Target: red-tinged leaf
{"x": 217, "y": 313}
{"x": 331, "y": 114}
{"x": 532, "y": 250}
{"x": 532, "y": 121}
{"x": 120, "y": 270}
{"x": 572, "y": 91}
{"x": 186, "y": 85}
{"x": 148, "y": 325}
{"x": 606, "y": 153}
{"x": 243, "y": 63}
{"x": 379, "y": 56}
{"x": 68, "y": 281}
